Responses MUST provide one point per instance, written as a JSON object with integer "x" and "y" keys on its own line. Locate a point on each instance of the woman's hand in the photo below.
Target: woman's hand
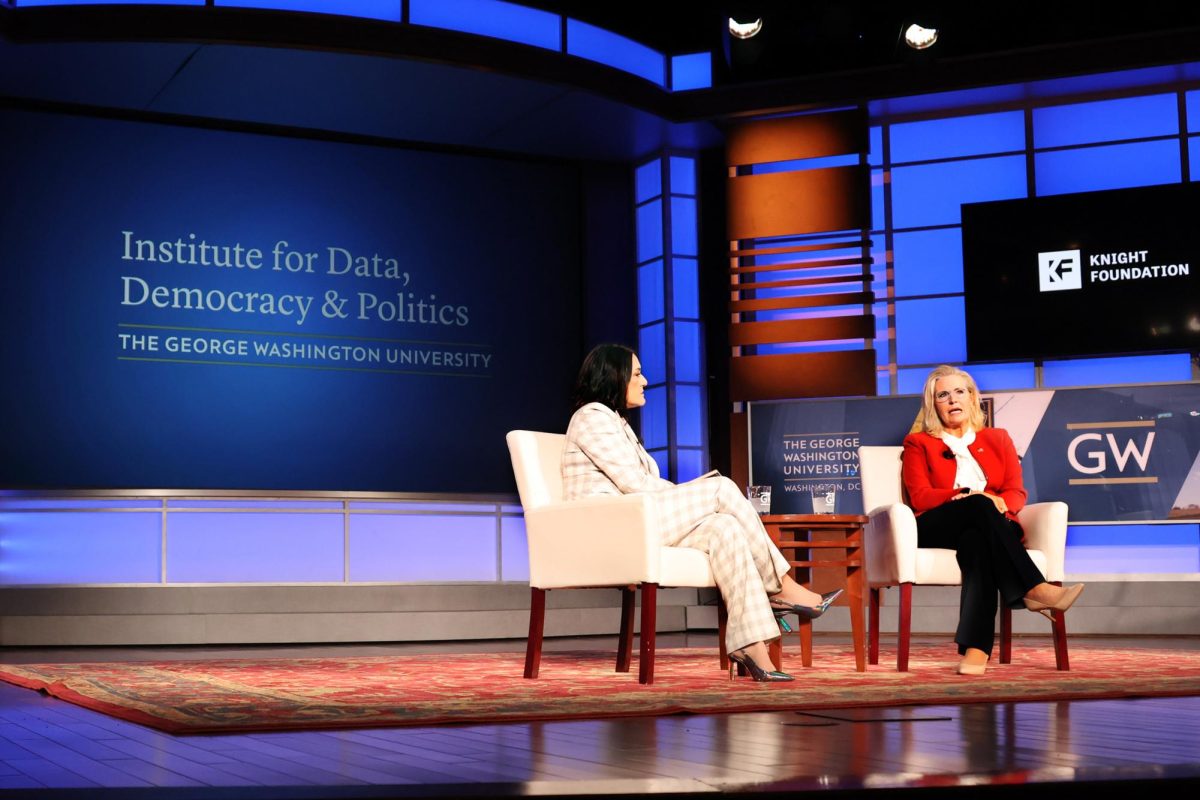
{"x": 997, "y": 500}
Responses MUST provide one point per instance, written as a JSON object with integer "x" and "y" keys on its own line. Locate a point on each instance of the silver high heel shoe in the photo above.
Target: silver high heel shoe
{"x": 781, "y": 607}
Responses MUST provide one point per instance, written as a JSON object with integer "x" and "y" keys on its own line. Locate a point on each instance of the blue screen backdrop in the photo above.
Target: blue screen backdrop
{"x": 433, "y": 306}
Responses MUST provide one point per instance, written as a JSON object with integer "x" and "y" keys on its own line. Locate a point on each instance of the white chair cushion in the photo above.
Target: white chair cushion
{"x": 938, "y": 566}
{"x": 685, "y": 566}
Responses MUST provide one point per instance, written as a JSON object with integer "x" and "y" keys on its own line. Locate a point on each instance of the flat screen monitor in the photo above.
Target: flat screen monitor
{"x": 1085, "y": 274}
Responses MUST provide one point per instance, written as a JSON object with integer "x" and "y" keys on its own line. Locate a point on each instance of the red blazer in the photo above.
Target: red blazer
{"x": 929, "y": 476}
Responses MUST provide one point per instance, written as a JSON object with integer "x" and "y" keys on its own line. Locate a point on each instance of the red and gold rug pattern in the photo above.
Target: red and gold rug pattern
{"x": 223, "y": 696}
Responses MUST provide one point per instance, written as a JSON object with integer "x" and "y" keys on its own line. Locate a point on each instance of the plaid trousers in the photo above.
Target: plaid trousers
{"x": 604, "y": 456}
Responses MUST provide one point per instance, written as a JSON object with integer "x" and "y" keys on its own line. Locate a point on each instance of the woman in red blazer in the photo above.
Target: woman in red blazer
{"x": 964, "y": 482}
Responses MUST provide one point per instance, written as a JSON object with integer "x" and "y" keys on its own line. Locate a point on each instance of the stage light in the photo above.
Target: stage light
{"x": 745, "y": 30}
{"x": 920, "y": 38}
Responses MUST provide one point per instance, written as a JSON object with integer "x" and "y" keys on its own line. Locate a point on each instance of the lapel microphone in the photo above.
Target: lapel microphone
{"x": 948, "y": 454}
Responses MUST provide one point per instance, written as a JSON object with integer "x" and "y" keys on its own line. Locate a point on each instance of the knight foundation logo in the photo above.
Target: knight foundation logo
{"x": 1059, "y": 270}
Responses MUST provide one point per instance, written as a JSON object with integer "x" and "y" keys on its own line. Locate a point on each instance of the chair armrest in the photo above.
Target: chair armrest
{"x": 594, "y": 541}
{"x": 1045, "y": 526}
{"x": 891, "y": 544}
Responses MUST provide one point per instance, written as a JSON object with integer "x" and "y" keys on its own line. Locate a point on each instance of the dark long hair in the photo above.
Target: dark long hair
{"x": 604, "y": 377}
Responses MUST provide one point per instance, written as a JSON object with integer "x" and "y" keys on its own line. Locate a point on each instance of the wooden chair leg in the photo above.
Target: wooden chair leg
{"x": 1005, "y": 635}
{"x": 722, "y": 624}
{"x": 537, "y": 622}
{"x": 625, "y": 637}
{"x": 775, "y": 651}
{"x": 804, "y": 628}
{"x": 873, "y": 626}
{"x": 904, "y": 630}
{"x": 1060, "y": 641}
{"x": 649, "y": 621}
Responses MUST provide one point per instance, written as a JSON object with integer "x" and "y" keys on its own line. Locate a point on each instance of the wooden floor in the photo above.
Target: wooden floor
{"x": 49, "y": 748}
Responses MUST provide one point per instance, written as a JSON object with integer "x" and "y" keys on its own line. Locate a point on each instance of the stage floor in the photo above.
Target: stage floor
{"x": 50, "y": 748}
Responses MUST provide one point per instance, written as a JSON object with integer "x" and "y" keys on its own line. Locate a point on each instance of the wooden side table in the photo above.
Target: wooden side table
{"x": 797, "y": 536}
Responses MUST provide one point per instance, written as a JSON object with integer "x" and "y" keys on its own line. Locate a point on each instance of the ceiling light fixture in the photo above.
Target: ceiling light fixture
{"x": 919, "y": 38}
{"x": 744, "y": 30}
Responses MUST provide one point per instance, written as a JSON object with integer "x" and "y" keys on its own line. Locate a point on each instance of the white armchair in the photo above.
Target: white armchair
{"x": 893, "y": 558}
{"x": 602, "y": 541}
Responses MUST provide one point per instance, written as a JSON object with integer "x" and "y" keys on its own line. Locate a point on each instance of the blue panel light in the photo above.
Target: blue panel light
{"x": 1106, "y": 120}
{"x": 687, "y": 351}
{"x": 1193, "y": 145}
{"x": 691, "y": 71}
{"x": 654, "y": 423}
{"x": 931, "y": 331}
{"x": 652, "y": 352}
{"x": 683, "y": 175}
{"x": 911, "y": 381}
{"x": 648, "y": 181}
{"x": 514, "y": 550}
{"x": 649, "y": 231}
{"x": 491, "y": 18}
{"x": 931, "y": 194}
{"x": 422, "y": 548}
{"x": 255, "y": 548}
{"x": 875, "y": 155}
{"x": 1192, "y": 103}
{"x": 878, "y": 219}
{"x": 32, "y": 3}
{"x": 975, "y": 135}
{"x": 1123, "y": 369}
{"x": 685, "y": 276}
{"x": 689, "y": 464}
{"x": 928, "y": 262}
{"x": 689, "y": 416}
{"x": 1001, "y": 377}
{"x": 843, "y": 160}
{"x": 80, "y": 547}
{"x": 605, "y": 47}
{"x": 1116, "y": 166}
{"x": 374, "y": 9}
{"x": 684, "y": 240}
{"x": 663, "y": 459}
{"x": 650, "y": 292}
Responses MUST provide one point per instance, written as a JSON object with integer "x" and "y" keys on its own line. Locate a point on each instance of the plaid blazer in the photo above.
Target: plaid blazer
{"x": 603, "y": 456}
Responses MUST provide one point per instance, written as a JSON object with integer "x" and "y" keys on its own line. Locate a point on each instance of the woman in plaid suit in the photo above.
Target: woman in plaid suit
{"x": 604, "y": 456}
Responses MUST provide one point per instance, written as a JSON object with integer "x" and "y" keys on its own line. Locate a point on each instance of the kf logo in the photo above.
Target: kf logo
{"x": 1059, "y": 270}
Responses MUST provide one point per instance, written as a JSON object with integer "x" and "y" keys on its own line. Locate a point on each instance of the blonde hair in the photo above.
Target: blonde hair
{"x": 927, "y": 420}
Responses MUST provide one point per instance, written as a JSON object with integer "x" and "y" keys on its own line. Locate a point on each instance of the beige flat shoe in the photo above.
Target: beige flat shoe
{"x": 971, "y": 669}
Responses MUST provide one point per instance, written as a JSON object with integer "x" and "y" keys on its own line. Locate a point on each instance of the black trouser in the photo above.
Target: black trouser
{"x": 991, "y": 557}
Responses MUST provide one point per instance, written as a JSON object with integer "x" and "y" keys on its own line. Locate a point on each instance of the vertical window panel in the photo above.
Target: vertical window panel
{"x": 875, "y": 143}
{"x": 649, "y": 231}
{"x": 687, "y": 352}
{"x": 685, "y": 277}
{"x": 931, "y": 331}
{"x": 689, "y": 464}
{"x": 931, "y": 194}
{"x": 911, "y": 381}
{"x": 1118, "y": 166}
{"x": 654, "y": 420}
{"x": 883, "y": 384}
{"x": 650, "y": 292}
{"x": 652, "y": 352}
{"x": 683, "y": 175}
{"x": 878, "y": 220}
{"x": 663, "y": 459}
{"x": 1193, "y": 145}
{"x": 689, "y": 416}
{"x": 683, "y": 226}
{"x": 1192, "y": 103}
{"x": 647, "y": 181}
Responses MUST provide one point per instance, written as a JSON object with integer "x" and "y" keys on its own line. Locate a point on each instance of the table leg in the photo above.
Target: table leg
{"x": 854, "y": 590}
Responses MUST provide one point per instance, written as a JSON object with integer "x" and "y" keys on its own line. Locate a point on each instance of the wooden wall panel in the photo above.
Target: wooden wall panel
{"x": 793, "y": 203}
{"x": 820, "y": 329}
{"x": 792, "y": 138}
{"x": 781, "y": 377}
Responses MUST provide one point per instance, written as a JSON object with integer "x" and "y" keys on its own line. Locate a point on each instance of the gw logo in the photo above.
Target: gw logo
{"x": 1088, "y": 454}
{"x": 1059, "y": 270}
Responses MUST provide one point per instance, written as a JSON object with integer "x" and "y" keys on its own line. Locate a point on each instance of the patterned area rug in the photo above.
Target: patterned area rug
{"x": 222, "y": 696}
